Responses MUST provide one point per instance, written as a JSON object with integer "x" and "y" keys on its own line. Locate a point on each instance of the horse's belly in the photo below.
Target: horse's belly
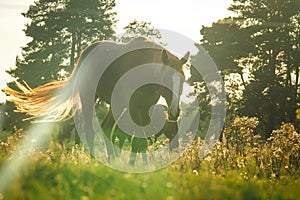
{"x": 141, "y": 101}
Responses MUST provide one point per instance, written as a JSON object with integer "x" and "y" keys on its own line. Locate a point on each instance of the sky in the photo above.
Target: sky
{"x": 186, "y": 17}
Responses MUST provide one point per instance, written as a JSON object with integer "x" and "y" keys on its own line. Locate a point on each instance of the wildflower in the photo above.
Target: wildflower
{"x": 195, "y": 172}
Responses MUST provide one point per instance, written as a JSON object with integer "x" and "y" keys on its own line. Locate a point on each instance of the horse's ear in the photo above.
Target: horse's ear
{"x": 185, "y": 58}
{"x": 165, "y": 57}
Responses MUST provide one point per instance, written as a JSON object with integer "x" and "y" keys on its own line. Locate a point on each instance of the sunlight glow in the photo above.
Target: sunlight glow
{"x": 38, "y": 135}
{"x": 186, "y": 17}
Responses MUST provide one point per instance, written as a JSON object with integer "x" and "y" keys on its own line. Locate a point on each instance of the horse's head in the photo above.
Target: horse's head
{"x": 172, "y": 98}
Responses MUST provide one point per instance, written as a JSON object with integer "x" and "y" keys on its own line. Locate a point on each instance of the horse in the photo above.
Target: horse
{"x": 54, "y": 101}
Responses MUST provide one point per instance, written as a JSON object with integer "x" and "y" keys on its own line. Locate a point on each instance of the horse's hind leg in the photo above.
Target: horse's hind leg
{"x": 87, "y": 112}
{"x": 118, "y": 133}
{"x": 90, "y": 135}
{"x": 90, "y": 140}
{"x": 108, "y": 126}
{"x": 77, "y": 137}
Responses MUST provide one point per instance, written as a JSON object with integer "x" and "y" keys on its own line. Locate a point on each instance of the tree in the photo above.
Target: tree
{"x": 88, "y": 21}
{"x": 262, "y": 42}
{"x": 59, "y": 30}
{"x": 136, "y": 28}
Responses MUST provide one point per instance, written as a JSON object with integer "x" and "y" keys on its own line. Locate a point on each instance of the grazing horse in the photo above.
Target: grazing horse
{"x": 54, "y": 101}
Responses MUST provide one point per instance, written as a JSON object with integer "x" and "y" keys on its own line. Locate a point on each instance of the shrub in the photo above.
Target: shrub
{"x": 281, "y": 153}
{"x": 9, "y": 144}
{"x": 241, "y": 149}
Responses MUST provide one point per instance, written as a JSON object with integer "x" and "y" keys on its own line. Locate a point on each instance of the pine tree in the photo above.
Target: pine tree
{"x": 59, "y": 30}
{"x": 262, "y": 38}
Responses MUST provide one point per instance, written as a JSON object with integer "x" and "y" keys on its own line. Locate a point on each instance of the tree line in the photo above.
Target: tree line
{"x": 257, "y": 52}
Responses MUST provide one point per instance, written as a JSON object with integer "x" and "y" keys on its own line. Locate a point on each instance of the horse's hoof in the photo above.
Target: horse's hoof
{"x": 131, "y": 162}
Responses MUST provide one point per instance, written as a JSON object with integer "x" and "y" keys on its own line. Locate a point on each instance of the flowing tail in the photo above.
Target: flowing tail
{"x": 53, "y": 101}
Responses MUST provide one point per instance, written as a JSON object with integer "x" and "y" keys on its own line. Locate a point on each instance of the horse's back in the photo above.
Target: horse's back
{"x": 137, "y": 52}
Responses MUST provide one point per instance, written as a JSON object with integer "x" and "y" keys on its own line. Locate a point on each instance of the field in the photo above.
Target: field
{"x": 42, "y": 180}
{"x": 240, "y": 167}
{"x": 229, "y": 76}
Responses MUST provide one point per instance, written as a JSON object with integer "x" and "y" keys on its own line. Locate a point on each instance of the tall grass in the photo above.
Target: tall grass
{"x": 241, "y": 166}
{"x": 242, "y": 150}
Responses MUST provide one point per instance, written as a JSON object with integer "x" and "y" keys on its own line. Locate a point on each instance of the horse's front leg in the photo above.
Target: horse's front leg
{"x": 138, "y": 145}
{"x": 171, "y": 130}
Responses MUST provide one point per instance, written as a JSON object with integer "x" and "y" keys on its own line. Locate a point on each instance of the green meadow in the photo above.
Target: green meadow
{"x": 43, "y": 180}
{"x": 239, "y": 167}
